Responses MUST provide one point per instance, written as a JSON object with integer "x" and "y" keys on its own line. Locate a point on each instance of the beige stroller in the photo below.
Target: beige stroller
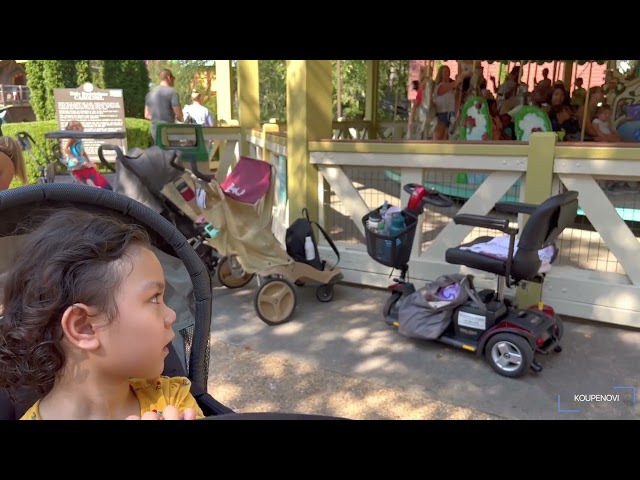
{"x": 238, "y": 215}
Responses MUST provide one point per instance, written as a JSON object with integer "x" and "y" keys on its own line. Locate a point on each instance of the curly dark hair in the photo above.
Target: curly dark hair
{"x": 72, "y": 256}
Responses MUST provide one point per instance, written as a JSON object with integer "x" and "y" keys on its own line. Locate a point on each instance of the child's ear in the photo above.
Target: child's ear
{"x": 78, "y": 324}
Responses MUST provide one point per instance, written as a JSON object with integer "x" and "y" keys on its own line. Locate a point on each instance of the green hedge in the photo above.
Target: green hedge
{"x": 138, "y": 135}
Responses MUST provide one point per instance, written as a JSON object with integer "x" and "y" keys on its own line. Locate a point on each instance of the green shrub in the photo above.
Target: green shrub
{"x": 138, "y": 135}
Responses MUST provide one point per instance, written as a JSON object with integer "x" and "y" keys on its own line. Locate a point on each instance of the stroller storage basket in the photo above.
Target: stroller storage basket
{"x": 391, "y": 250}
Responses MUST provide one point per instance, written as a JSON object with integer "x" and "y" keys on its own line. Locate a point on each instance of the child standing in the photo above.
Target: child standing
{"x": 85, "y": 324}
{"x": 78, "y": 162}
{"x": 579, "y": 95}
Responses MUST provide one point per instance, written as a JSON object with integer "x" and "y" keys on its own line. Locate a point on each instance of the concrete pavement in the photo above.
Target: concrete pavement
{"x": 347, "y": 338}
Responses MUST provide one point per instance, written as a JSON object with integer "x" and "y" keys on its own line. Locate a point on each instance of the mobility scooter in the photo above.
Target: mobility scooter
{"x": 485, "y": 322}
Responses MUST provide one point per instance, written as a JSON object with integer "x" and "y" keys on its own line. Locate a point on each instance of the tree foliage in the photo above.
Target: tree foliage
{"x": 44, "y": 76}
{"x": 135, "y": 78}
{"x": 392, "y": 88}
{"x": 83, "y": 72}
{"x": 38, "y": 90}
{"x": 190, "y": 75}
{"x": 57, "y": 74}
{"x": 129, "y": 75}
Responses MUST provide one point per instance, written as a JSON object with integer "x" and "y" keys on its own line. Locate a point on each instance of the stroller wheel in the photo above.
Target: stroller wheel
{"x": 324, "y": 293}
{"x": 275, "y": 301}
{"x": 231, "y": 274}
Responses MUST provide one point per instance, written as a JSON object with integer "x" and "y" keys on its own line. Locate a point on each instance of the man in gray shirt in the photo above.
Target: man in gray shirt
{"x": 162, "y": 104}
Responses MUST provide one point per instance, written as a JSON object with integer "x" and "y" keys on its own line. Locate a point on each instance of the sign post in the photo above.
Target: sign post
{"x": 97, "y": 110}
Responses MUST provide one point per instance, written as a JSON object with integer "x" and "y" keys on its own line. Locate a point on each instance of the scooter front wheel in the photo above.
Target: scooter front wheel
{"x": 389, "y": 309}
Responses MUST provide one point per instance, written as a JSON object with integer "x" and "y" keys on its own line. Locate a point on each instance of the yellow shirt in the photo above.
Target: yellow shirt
{"x": 153, "y": 395}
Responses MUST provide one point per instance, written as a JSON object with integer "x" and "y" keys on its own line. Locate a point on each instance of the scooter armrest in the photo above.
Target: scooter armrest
{"x": 481, "y": 221}
{"x": 516, "y": 207}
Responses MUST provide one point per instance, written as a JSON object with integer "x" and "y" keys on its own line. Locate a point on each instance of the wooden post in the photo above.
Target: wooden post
{"x": 309, "y": 117}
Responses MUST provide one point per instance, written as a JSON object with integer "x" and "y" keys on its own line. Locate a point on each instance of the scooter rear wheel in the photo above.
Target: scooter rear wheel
{"x": 509, "y": 354}
{"x": 559, "y": 333}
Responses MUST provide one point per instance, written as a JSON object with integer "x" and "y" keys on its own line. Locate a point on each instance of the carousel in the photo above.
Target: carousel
{"x": 472, "y": 120}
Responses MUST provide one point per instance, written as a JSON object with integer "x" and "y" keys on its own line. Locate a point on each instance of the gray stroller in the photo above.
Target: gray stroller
{"x": 141, "y": 175}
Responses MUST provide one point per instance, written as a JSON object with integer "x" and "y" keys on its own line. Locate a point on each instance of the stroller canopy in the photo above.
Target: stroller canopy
{"x": 249, "y": 181}
{"x": 142, "y": 174}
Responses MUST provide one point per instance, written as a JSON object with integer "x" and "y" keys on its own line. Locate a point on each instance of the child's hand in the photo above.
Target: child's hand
{"x": 169, "y": 413}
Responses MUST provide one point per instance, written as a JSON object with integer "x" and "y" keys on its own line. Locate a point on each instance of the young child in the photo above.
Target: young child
{"x": 579, "y": 95}
{"x": 85, "y": 324}
{"x": 12, "y": 163}
{"x": 602, "y": 124}
{"x": 78, "y": 162}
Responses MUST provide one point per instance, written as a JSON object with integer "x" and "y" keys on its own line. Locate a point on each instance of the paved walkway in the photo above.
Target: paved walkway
{"x": 340, "y": 358}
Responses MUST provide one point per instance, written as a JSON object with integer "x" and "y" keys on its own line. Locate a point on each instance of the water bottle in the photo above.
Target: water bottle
{"x": 396, "y": 228}
{"x": 397, "y": 224}
{"x": 309, "y": 248}
{"x": 381, "y": 250}
{"x": 384, "y": 208}
{"x": 389, "y": 215}
{"x": 373, "y": 221}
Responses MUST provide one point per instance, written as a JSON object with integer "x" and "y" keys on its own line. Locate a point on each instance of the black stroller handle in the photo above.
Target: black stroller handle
{"x": 198, "y": 173}
{"x": 24, "y": 137}
{"x": 75, "y": 134}
{"x": 173, "y": 162}
{"x": 114, "y": 148}
{"x": 27, "y": 142}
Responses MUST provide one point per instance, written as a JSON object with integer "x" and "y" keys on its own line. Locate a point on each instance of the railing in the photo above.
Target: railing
{"x": 596, "y": 276}
{"x": 14, "y": 94}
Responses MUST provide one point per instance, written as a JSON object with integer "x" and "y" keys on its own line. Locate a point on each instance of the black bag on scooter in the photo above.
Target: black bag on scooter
{"x": 295, "y": 240}
{"x": 427, "y": 313}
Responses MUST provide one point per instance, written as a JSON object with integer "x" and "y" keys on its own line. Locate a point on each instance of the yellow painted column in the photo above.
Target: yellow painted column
{"x": 371, "y": 102}
{"x": 538, "y": 187}
{"x": 309, "y": 117}
{"x": 224, "y": 91}
{"x": 248, "y": 100}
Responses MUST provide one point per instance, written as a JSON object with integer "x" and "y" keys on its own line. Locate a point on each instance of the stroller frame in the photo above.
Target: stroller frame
{"x": 276, "y": 298}
{"x": 228, "y": 272}
{"x": 46, "y": 165}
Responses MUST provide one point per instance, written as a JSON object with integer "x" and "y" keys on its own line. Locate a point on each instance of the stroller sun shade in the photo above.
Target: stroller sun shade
{"x": 240, "y": 210}
{"x": 144, "y": 175}
{"x": 249, "y": 181}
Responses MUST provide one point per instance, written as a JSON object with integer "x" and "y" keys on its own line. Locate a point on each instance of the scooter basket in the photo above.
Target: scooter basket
{"x": 391, "y": 250}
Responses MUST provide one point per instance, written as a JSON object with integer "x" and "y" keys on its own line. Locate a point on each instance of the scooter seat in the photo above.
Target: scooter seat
{"x": 479, "y": 261}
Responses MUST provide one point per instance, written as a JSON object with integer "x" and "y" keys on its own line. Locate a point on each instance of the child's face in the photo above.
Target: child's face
{"x": 134, "y": 343}
{"x": 605, "y": 115}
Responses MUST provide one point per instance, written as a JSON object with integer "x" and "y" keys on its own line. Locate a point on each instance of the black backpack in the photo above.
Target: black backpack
{"x": 295, "y": 238}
